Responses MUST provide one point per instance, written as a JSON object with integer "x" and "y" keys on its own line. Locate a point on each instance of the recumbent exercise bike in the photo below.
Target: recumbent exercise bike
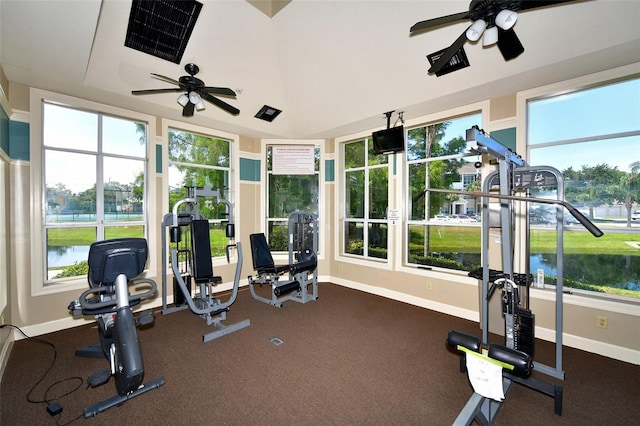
{"x": 113, "y": 264}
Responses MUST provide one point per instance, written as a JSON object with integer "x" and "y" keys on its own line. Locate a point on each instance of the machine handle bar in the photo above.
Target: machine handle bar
{"x": 591, "y": 227}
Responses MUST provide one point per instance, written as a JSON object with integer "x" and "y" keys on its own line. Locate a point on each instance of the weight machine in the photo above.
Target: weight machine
{"x": 302, "y": 266}
{"x": 513, "y": 177}
{"x": 191, "y": 263}
{"x": 113, "y": 265}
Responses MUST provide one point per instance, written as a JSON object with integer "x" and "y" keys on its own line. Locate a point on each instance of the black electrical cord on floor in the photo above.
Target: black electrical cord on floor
{"x": 53, "y": 408}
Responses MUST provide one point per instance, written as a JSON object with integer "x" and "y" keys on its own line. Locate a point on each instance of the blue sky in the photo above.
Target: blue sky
{"x": 607, "y": 110}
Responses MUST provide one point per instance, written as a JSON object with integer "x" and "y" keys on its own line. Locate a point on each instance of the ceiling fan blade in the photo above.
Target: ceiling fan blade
{"x": 509, "y": 44}
{"x": 532, "y": 4}
{"x": 165, "y": 78}
{"x": 187, "y": 111}
{"x": 448, "y": 54}
{"x": 436, "y": 22}
{"x": 152, "y": 91}
{"x": 220, "y": 91}
{"x": 225, "y": 106}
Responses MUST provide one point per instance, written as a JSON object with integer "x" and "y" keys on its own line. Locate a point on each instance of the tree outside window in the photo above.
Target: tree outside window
{"x": 197, "y": 160}
{"x": 94, "y": 173}
{"x": 591, "y": 136}
{"x": 287, "y": 193}
{"x": 443, "y": 230}
{"x": 366, "y": 178}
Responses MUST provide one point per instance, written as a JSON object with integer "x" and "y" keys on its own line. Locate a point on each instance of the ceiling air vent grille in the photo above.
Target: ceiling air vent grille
{"x": 162, "y": 28}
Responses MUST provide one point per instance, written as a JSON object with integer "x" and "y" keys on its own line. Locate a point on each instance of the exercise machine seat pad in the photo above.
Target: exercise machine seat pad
{"x": 262, "y": 260}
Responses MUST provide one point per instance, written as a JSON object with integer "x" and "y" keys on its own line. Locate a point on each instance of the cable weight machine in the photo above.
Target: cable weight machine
{"x": 513, "y": 182}
{"x": 189, "y": 233}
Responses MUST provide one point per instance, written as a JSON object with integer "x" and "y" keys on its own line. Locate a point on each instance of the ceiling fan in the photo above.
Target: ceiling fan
{"x": 194, "y": 92}
{"x": 494, "y": 18}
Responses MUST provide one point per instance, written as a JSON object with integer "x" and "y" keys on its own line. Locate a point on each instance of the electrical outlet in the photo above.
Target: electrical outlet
{"x": 602, "y": 322}
{"x": 429, "y": 286}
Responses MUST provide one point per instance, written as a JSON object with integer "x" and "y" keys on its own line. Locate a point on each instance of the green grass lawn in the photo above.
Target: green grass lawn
{"x": 60, "y": 237}
{"x": 467, "y": 239}
{"x": 544, "y": 241}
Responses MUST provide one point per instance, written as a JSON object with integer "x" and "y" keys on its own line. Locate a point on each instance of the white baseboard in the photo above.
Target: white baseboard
{"x": 611, "y": 351}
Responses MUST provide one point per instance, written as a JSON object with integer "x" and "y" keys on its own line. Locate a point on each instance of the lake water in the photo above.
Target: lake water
{"x": 67, "y": 255}
{"x": 612, "y": 270}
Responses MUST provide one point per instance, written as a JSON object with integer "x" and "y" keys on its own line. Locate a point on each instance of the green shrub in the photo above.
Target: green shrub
{"x": 77, "y": 269}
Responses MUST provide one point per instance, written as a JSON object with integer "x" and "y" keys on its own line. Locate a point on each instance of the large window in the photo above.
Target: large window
{"x": 293, "y": 176}
{"x": 443, "y": 229}
{"x": 366, "y": 200}
{"x": 202, "y": 161}
{"x": 592, "y": 136}
{"x": 94, "y": 168}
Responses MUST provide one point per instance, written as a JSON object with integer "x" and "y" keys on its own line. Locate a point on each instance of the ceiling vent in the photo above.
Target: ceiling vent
{"x": 267, "y": 113}
{"x": 162, "y": 28}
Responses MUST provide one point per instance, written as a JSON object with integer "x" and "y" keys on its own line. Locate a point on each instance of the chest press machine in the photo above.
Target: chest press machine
{"x": 513, "y": 177}
{"x": 302, "y": 268}
{"x": 191, "y": 262}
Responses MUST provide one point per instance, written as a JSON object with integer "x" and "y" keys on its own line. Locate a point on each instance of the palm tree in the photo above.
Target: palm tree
{"x": 630, "y": 185}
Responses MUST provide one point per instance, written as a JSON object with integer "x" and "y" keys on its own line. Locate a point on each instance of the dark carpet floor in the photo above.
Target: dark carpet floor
{"x": 349, "y": 358}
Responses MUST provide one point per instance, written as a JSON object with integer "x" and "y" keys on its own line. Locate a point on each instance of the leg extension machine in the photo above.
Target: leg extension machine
{"x": 302, "y": 267}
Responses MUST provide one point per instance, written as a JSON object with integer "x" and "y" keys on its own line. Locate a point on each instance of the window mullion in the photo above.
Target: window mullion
{"x": 100, "y": 185}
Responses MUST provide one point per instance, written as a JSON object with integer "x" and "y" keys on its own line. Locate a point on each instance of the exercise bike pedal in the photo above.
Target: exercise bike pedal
{"x": 145, "y": 318}
{"x": 99, "y": 377}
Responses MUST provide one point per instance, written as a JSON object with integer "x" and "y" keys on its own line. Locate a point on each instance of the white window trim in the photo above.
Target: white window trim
{"x": 397, "y": 190}
{"x": 234, "y": 167}
{"x": 564, "y": 87}
{"x": 578, "y": 298}
{"x": 323, "y": 222}
{"x": 36, "y": 261}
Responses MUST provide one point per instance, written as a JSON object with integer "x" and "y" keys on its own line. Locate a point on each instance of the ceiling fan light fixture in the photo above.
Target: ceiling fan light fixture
{"x": 183, "y": 99}
{"x": 194, "y": 98}
{"x": 200, "y": 105}
{"x": 506, "y": 19}
{"x": 476, "y": 29}
{"x": 490, "y": 36}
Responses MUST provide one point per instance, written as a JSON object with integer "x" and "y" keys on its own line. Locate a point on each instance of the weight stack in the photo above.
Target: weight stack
{"x": 178, "y": 297}
{"x": 525, "y": 331}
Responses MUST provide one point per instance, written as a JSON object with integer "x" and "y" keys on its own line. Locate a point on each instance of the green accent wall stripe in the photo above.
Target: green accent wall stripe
{"x": 158, "y": 158}
{"x": 249, "y": 170}
{"x": 19, "y": 140}
{"x": 506, "y": 137}
{"x": 4, "y": 131}
{"x": 329, "y": 170}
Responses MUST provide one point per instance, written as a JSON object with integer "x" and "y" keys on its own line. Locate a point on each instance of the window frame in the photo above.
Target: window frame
{"x": 583, "y": 297}
{"x": 40, "y": 286}
{"x": 398, "y": 187}
{"x": 366, "y": 220}
{"x": 428, "y": 221}
{"x": 264, "y": 189}
{"x": 234, "y": 167}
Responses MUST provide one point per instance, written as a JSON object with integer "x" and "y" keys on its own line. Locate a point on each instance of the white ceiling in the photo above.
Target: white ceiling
{"x": 333, "y": 67}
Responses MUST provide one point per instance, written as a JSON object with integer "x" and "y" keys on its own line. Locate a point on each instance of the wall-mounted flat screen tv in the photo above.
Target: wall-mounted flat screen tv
{"x": 388, "y": 140}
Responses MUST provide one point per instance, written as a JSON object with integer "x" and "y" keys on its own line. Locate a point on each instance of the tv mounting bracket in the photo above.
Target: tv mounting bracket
{"x": 388, "y": 115}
